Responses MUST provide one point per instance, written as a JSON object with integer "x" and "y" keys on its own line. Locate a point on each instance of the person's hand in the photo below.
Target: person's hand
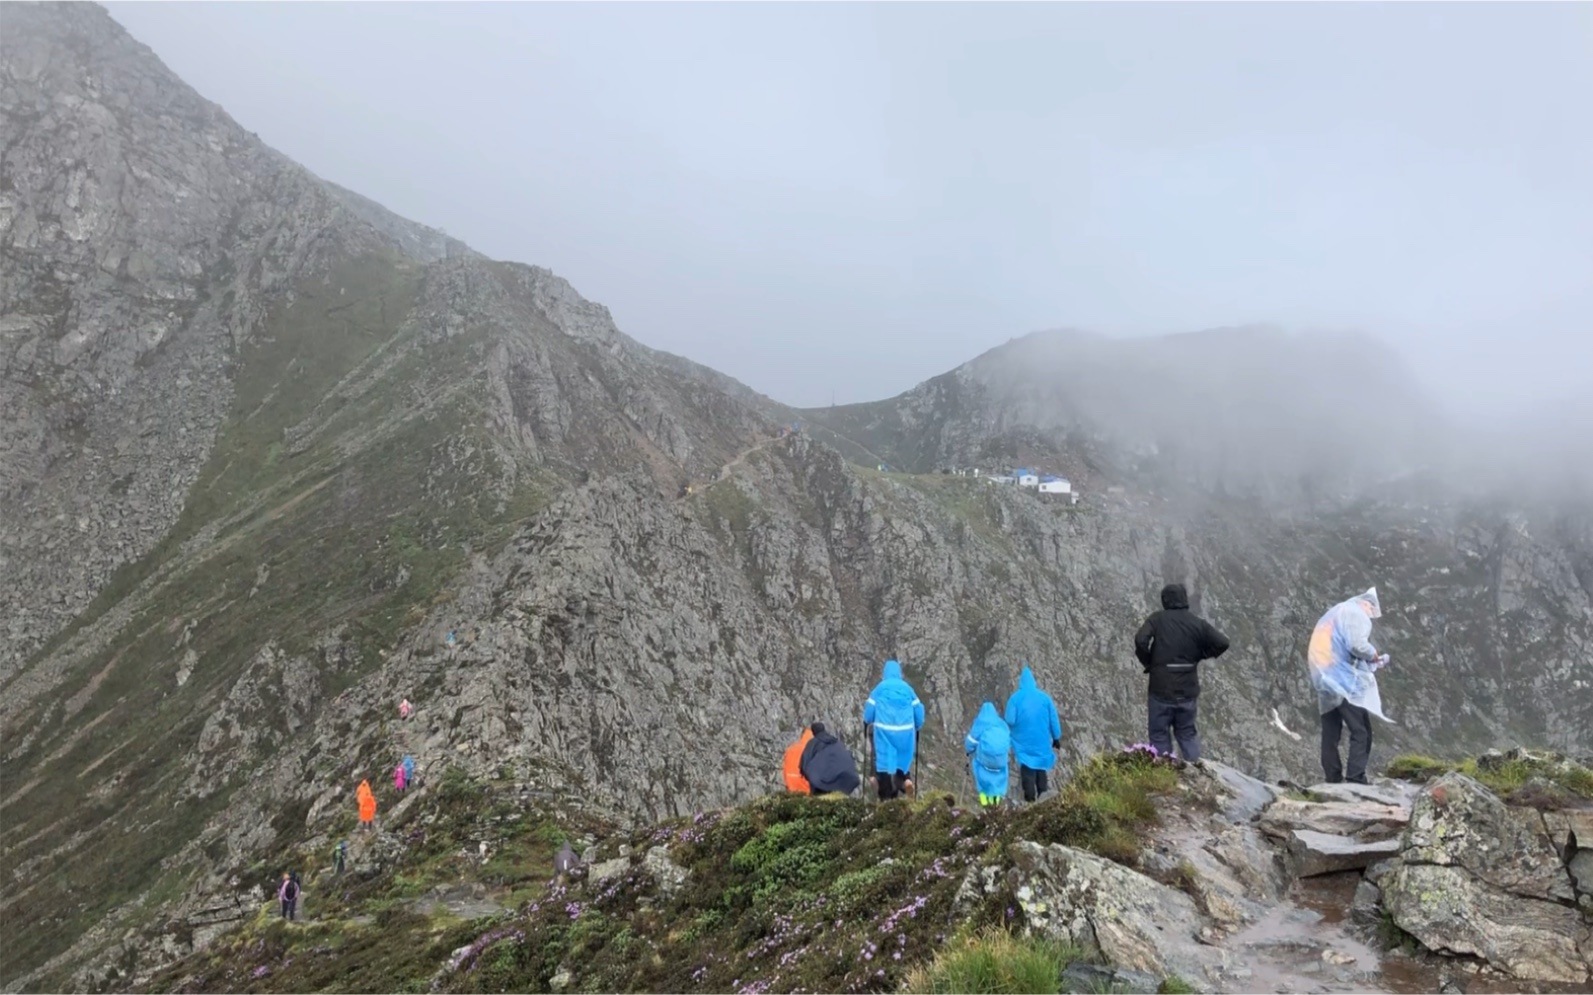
{"x": 1056, "y": 744}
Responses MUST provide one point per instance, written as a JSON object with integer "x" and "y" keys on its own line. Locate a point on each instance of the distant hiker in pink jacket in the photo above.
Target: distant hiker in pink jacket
{"x": 400, "y": 779}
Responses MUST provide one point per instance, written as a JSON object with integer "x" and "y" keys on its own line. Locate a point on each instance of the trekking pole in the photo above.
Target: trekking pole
{"x": 873, "y": 772}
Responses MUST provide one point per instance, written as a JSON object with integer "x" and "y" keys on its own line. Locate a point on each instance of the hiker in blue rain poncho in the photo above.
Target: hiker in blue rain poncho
{"x": 989, "y": 744}
{"x": 1036, "y": 734}
{"x": 896, "y": 714}
{"x": 1343, "y": 665}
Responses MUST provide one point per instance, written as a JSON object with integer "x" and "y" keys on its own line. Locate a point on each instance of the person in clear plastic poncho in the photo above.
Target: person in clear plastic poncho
{"x": 1343, "y": 667}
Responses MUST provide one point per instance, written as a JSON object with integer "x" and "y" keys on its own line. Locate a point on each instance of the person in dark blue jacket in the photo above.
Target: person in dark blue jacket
{"x": 1036, "y": 734}
{"x": 896, "y": 715}
{"x": 828, "y": 765}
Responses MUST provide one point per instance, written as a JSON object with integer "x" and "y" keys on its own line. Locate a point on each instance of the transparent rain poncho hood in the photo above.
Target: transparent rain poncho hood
{"x": 1342, "y": 660}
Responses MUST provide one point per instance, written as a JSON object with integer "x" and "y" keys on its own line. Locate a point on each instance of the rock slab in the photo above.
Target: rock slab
{"x": 1360, "y": 820}
{"x": 1316, "y": 853}
{"x": 1136, "y": 924}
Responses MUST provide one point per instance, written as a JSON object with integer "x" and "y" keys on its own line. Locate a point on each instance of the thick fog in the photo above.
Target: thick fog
{"x": 839, "y": 200}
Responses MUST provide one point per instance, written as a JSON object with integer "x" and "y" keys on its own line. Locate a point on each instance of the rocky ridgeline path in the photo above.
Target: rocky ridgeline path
{"x": 1389, "y": 887}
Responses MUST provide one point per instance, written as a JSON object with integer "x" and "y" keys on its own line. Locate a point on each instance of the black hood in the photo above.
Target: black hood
{"x": 1174, "y": 596}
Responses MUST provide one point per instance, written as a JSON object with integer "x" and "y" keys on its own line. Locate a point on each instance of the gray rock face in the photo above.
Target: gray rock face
{"x": 1458, "y": 822}
{"x": 1246, "y": 797}
{"x": 143, "y": 234}
{"x": 1478, "y": 877}
{"x": 671, "y": 877}
{"x": 1387, "y": 793}
{"x": 1316, "y": 853}
{"x": 1367, "y": 906}
{"x": 604, "y": 871}
{"x": 1363, "y": 821}
{"x": 1452, "y": 912}
{"x": 1135, "y": 923}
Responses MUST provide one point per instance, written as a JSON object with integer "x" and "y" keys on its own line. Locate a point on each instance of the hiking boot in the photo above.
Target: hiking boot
{"x": 909, "y": 788}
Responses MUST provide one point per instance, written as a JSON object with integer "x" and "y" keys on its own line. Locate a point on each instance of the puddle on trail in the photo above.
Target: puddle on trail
{"x": 1308, "y": 945}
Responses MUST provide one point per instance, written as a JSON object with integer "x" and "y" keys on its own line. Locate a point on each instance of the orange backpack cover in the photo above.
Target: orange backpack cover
{"x": 794, "y": 781}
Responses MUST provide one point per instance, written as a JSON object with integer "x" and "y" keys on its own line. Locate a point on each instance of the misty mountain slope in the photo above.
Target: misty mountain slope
{"x": 271, "y": 446}
{"x": 387, "y": 422}
{"x": 331, "y": 424}
{"x": 662, "y": 653}
{"x": 1250, "y": 410}
{"x": 143, "y": 235}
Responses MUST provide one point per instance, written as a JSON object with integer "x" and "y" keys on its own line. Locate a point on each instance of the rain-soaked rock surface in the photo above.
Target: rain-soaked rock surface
{"x": 1478, "y": 877}
{"x": 1440, "y": 888}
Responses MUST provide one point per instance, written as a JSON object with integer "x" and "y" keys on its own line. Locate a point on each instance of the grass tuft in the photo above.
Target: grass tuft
{"x": 994, "y": 961}
{"x": 1522, "y": 777}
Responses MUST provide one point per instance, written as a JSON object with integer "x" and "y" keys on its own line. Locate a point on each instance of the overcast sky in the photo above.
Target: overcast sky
{"x": 849, "y": 198}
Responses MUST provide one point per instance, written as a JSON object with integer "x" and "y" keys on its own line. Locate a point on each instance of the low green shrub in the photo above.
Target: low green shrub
{"x": 992, "y": 962}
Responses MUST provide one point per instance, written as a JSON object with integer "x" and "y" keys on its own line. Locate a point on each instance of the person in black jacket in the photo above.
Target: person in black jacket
{"x": 828, "y": 765}
{"x": 1170, "y": 646}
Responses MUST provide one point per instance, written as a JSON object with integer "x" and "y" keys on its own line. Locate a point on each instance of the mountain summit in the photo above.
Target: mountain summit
{"x": 1248, "y": 410}
{"x": 273, "y": 459}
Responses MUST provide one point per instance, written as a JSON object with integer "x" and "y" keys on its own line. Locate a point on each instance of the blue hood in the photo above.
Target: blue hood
{"x": 1035, "y": 724}
{"x": 989, "y": 745}
{"x": 896, "y": 713}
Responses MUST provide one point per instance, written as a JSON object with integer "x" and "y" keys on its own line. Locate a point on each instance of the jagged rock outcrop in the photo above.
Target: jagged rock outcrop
{"x": 1478, "y": 877}
{"x": 1134, "y": 922}
{"x": 143, "y": 237}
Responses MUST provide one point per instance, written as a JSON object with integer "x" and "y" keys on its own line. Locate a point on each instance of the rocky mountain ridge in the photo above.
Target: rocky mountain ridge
{"x": 1255, "y": 411}
{"x": 1135, "y": 878}
{"x": 266, "y": 445}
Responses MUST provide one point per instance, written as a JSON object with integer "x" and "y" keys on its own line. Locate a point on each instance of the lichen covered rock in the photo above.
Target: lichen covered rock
{"x": 1135, "y": 923}
{"x": 1480, "y": 878}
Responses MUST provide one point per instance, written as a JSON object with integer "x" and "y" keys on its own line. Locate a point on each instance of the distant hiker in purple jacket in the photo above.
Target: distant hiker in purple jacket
{"x": 288, "y": 895}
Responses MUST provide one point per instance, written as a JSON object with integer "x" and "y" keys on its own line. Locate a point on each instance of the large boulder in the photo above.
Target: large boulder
{"x": 1135, "y": 923}
{"x": 1459, "y": 822}
{"x": 1478, "y": 877}
{"x": 1449, "y": 911}
{"x": 1570, "y": 830}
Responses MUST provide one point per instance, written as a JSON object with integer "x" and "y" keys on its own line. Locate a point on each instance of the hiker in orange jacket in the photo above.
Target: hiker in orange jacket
{"x": 367, "y": 801}
{"x": 792, "y": 768}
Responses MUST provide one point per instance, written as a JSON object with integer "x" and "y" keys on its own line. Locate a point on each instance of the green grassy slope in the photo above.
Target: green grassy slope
{"x": 346, "y": 532}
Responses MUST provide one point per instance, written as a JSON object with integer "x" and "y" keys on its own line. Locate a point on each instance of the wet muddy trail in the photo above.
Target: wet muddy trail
{"x": 1308, "y": 944}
